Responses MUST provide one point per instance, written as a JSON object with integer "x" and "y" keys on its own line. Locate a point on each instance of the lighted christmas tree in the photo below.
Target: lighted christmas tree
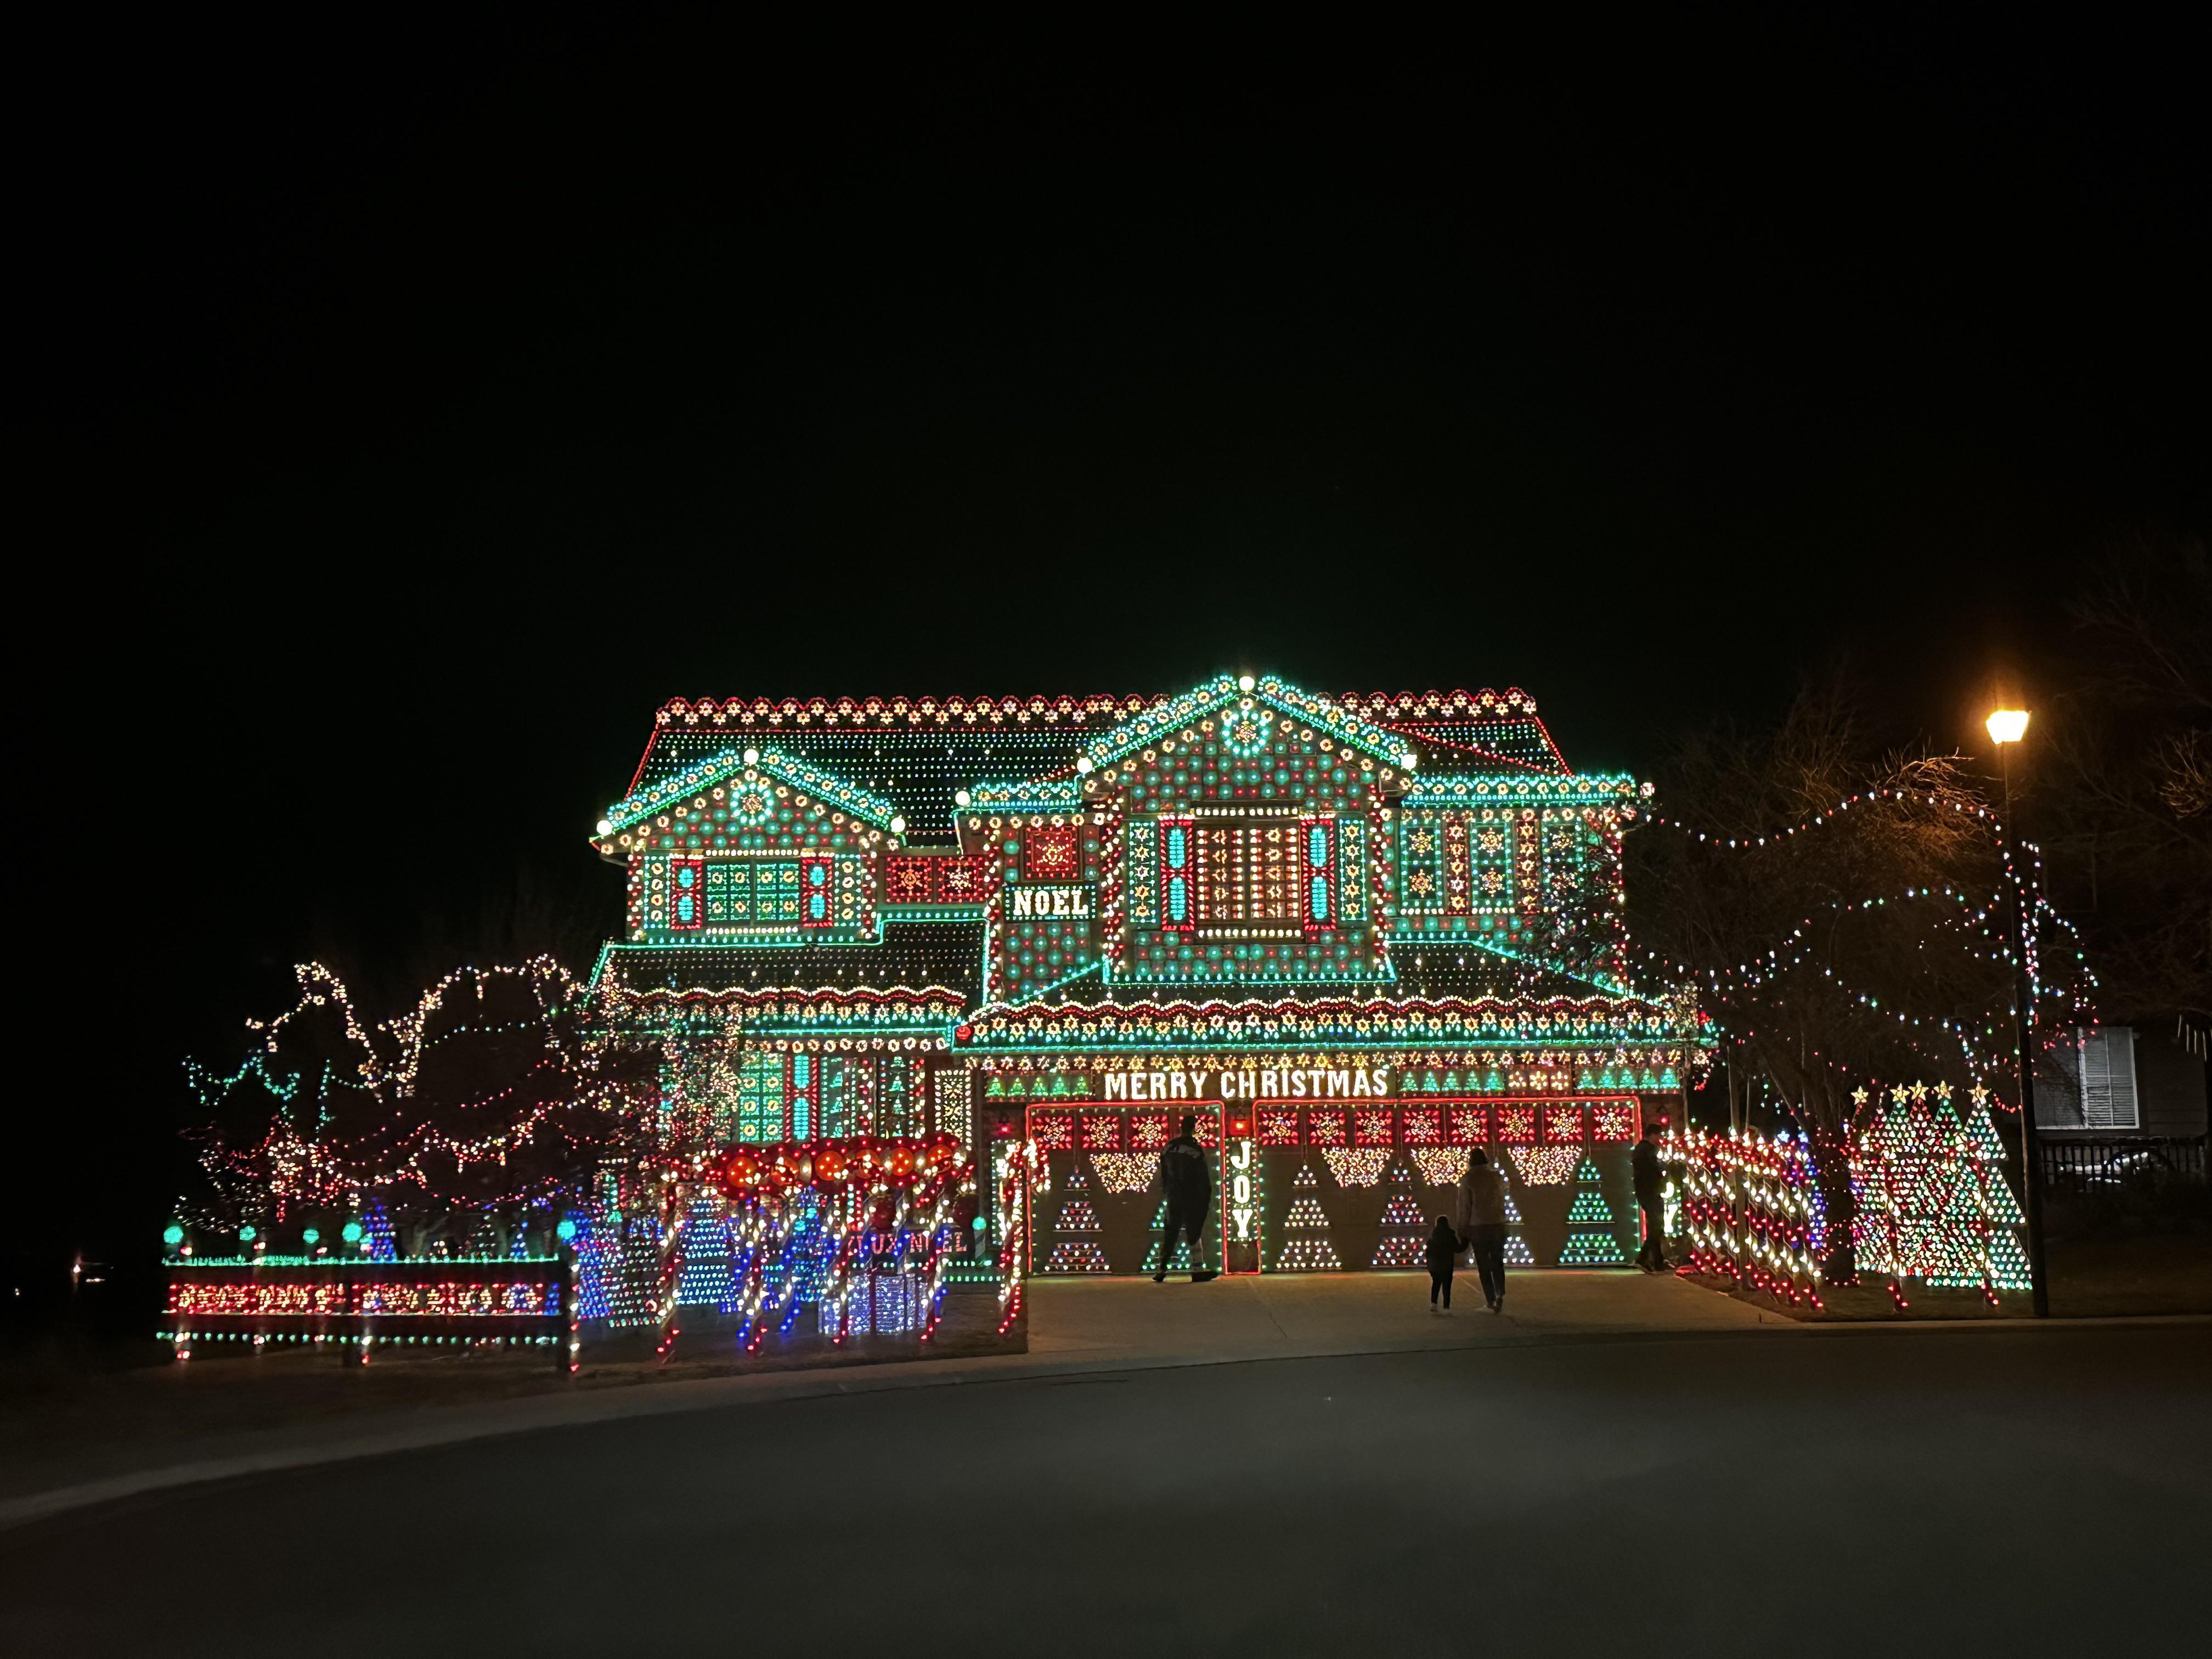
{"x": 1516, "y": 1248}
{"x": 705, "y": 1279}
{"x": 632, "y": 1258}
{"x": 1080, "y": 1254}
{"x": 1986, "y": 1253}
{"x": 1934, "y": 1202}
{"x": 1306, "y": 1246}
{"x": 377, "y": 1235}
{"x": 1404, "y": 1242}
{"x": 1593, "y": 1236}
{"x": 597, "y": 1254}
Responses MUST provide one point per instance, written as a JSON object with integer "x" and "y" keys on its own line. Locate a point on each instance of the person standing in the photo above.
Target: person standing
{"x": 1187, "y": 1183}
{"x": 1482, "y": 1225}
{"x": 1442, "y": 1253}
{"x": 1652, "y": 1199}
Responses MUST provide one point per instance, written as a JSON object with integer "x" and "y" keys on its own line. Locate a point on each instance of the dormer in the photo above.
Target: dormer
{"x": 750, "y": 846}
{"x": 1234, "y": 835}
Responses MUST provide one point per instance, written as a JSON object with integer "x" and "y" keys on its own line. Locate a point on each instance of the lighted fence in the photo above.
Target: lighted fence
{"x": 353, "y": 1306}
{"x": 1926, "y": 1182}
{"x": 1749, "y": 1208}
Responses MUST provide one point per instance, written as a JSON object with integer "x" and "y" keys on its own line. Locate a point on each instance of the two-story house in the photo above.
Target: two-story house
{"x": 1355, "y": 936}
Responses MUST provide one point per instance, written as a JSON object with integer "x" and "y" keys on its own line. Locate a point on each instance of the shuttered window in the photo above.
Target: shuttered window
{"x": 2108, "y": 1077}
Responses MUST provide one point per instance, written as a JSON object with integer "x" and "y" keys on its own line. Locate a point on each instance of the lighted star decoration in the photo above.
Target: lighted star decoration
{"x": 1244, "y": 732}
{"x": 752, "y": 804}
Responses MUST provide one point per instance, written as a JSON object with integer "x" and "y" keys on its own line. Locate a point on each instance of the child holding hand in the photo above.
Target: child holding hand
{"x": 1443, "y": 1250}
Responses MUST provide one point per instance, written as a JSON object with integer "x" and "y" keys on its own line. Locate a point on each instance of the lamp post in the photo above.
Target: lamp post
{"x": 2007, "y": 726}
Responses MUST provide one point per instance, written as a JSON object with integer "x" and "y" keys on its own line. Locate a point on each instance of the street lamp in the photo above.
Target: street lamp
{"x": 2007, "y": 726}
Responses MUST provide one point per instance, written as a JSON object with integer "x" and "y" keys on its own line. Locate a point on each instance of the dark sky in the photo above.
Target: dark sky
{"x": 420, "y": 410}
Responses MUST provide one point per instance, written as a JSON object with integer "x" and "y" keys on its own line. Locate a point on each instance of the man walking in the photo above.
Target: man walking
{"x": 1188, "y": 1184}
{"x": 1650, "y": 1197}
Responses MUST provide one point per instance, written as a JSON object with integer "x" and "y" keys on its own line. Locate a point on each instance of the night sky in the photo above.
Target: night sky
{"x": 416, "y": 413}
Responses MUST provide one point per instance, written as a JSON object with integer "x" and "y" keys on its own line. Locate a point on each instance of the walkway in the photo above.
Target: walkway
{"x": 1288, "y": 1315}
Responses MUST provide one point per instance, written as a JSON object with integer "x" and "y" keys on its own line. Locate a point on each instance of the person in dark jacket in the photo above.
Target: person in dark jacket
{"x": 1443, "y": 1250}
{"x": 1187, "y": 1182}
{"x": 1482, "y": 1225}
{"x": 1650, "y": 1197}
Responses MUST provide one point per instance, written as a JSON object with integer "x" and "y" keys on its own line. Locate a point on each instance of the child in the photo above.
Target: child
{"x": 1444, "y": 1247}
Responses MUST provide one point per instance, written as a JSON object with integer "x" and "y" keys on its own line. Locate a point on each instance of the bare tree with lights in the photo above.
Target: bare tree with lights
{"x": 497, "y": 1091}
{"x": 1841, "y": 909}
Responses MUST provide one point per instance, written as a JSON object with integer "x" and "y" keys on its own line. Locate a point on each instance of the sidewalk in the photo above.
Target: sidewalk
{"x": 1296, "y": 1315}
{"x": 1075, "y": 1326}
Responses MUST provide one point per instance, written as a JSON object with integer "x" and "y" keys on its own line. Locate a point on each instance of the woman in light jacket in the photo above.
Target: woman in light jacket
{"x": 1482, "y": 1225}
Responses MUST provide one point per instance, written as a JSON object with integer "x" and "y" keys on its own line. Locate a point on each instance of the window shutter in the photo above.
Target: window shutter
{"x": 2108, "y": 1078}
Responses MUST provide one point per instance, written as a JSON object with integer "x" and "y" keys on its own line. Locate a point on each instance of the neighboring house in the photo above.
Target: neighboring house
{"x": 2125, "y": 1094}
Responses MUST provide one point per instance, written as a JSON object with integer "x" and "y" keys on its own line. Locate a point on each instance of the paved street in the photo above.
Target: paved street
{"x": 1713, "y": 1491}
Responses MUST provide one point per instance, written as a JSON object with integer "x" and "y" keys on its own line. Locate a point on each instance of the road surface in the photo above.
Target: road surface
{"x": 1710, "y": 1492}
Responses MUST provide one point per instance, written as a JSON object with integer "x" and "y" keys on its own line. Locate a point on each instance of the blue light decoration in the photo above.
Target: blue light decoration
{"x": 595, "y": 1249}
{"x": 706, "y": 1279}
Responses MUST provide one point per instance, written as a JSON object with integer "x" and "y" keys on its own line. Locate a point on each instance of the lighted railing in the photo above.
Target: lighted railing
{"x": 352, "y": 1307}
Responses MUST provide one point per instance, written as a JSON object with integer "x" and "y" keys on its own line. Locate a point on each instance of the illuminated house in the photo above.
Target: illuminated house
{"x": 1358, "y": 936}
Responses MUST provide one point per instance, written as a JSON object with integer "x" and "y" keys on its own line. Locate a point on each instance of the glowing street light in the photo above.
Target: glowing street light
{"x": 2007, "y": 726}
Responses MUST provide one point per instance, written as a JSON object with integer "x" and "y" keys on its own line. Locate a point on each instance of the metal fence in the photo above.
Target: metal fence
{"x": 2118, "y": 1160}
